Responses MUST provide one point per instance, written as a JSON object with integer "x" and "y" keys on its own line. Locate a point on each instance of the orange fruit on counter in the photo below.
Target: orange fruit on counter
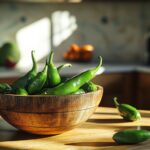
{"x": 87, "y": 47}
{"x": 75, "y": 48}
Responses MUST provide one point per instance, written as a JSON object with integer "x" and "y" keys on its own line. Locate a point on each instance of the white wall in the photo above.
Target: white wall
{"x": 121, "y": 38}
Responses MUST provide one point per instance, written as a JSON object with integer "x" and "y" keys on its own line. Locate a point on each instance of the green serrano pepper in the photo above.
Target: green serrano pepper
{"x": 128, "y": 112}
{"x": 73, "y": 84}
{"x": 53, "y": 74}
{"x": 79, "y": 91}
{"x": 38, "y": 82}
{"x": 61, "y": 67}
{"x": 5, "y": 88}
{"x": 23, "y": 81}
{"x": 89, "y": 87}
{"x": 64, "y": 79}
{"x": 131, "y": 136}
{"x": 22, "y": 92}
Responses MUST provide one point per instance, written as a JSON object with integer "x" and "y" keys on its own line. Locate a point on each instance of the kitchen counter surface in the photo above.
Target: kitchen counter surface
{"x": 95, "y": 134}
{"x": 77, "y": 68}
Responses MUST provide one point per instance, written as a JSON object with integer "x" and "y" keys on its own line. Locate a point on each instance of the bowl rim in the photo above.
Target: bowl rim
{"x": 100, "y": 88}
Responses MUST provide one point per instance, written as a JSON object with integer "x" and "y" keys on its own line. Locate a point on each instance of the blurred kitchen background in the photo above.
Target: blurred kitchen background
{"x": 118, "y": 31}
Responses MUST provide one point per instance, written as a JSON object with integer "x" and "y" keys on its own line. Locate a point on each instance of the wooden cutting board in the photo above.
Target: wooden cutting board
{"x": 95, "y": 134}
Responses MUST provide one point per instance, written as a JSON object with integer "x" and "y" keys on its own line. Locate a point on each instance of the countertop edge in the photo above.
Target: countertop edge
{"x": 78, "y": 68}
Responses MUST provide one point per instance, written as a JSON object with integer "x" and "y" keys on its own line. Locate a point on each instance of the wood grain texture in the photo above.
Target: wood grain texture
{"x": 94, "y": 134}
{"x": 49, "y": 114}
{"x": 50, "y": 123}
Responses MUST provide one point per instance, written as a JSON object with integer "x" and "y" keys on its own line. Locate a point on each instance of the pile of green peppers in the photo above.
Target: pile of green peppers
{"x": 50, "y": 82}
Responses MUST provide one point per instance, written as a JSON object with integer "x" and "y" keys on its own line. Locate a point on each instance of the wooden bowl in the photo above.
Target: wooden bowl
{"x": 49, "y": 114}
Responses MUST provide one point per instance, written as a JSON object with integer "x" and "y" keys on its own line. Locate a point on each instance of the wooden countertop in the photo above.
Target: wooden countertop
{"x": 95, "y": 134}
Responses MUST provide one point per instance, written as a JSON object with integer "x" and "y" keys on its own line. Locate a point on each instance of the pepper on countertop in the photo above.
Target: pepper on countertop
{"x": 128, "y": 112}
{"x": 131, "y": 136}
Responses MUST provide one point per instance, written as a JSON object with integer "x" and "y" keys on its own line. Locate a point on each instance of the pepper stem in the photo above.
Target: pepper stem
{"x": 45, "y": 68}
{"x": 63, "y": 66}
{"x": 34, "y": 61}
{"x": 51, "y": 57}
{"x": 47, "y": 62}
{"x": 116, "y": 102}
{"x": 99, "y": 65}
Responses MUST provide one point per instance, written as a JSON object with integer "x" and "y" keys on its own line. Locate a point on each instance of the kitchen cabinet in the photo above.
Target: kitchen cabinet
{"x": 132, "y": 88}
{"x": 121, "y": 85}
{"x": 143, "y": 90}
